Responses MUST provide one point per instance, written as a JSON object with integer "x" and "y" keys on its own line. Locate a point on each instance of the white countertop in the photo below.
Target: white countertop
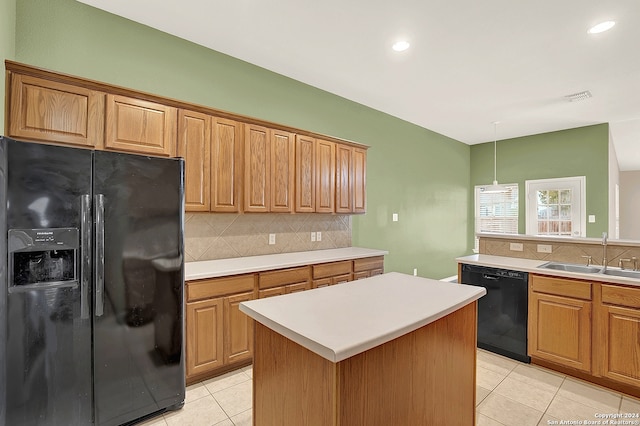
{"x": 341, "y": 321}
{"x": 531, "y": 265}
{"x": 245, "y": 265}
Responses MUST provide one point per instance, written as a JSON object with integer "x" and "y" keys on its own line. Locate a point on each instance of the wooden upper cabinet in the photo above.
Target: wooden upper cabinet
{"x": 257, "y": 165}
{"x": 194, "y": 145}
{"x": 55, "y": 112}
{"x": 226, "y": 165}
{"x": 344, "y": 179}
{"x": 325, "y": 176}
{"x": 282, "y": 171}
{"x": 135, "y": 125}
{"x": 359, "y": 180}
{"x": 305, "y": 182}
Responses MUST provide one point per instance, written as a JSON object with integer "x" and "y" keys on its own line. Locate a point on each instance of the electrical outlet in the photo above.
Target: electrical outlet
{"x": 592, "y": 218}
{"x": 318, "y": 236}
{"x": 313, "y": 237}
{"x": 544, "y": 248}
{"x": 415, "y": 272}
{"x": 272, "y": 239}
{"x": 516, "y": 247}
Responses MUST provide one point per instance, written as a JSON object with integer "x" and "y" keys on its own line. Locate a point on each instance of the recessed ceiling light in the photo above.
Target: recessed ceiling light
{"x": 601, "y": 27}
{"x": 400, "y": 46}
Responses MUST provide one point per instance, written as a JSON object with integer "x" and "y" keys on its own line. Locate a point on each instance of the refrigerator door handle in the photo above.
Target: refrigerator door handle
{"x": 99, "y": 254}
{"x": 85, "y": 254}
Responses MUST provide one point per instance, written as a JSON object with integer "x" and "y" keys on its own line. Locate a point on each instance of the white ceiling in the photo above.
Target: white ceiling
{"x": 470, "y": 63}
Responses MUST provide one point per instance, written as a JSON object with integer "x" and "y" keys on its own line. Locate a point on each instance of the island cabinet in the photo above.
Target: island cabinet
{"x": 619, "y": 338}
{"x": 218, "y": 335}
{"x": 326, "y": 274}
{"x": 560, "y": 321}
{"x": 368, "y": 267}
{"x": 136, "y": 125}
{"x": 55, "y": 112}
{"x": 415, "y": 368}
{"x": 284, "y": 281}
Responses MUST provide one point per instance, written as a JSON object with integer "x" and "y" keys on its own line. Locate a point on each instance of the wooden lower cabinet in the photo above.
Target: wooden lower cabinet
{"x": 218, "y": 334}
{"x": 326, "y": 274}
{"x": 368, "y": 267}
{"x": 619, "y": 345}
{"x": 219, "y": 337}
{"x": 238, "y": 329}
{"x": 560, "y": 321}
{"x": 560, "y": 330}
{"x": 204, "y": 336}
{"x": 283, "y": 281}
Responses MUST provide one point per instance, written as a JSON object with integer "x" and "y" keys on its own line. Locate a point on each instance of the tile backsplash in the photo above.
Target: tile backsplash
{"x": 210, "y": 236}
{"x": 561, "y": 251}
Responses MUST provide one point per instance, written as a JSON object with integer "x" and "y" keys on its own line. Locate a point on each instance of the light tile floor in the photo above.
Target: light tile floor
{"x": 508, "y": 393}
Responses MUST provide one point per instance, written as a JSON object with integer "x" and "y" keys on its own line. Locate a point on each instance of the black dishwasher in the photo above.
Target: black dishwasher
{"x": 502, "y": 312}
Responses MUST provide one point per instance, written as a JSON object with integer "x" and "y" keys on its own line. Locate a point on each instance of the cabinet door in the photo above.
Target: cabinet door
{"x": 359, "y": 180}
{"x": 55, "y": 112}
{"x": 273, "y": 291}
{"x": 325, "y": 176}
{"x": 341, "y": 279}
{"x": 305, "y": 174}
{"x": 344, "y": 183}
{"x": 293, "y": 288}
{"x": 204, "y": 336}
{"x": 619, "y": 345}
{"x": 257, "y": 179}
{"x": 322, "y": 282}
{"x": 560, "y": 330}
{"x": 282, "y": 171}
{"x": 238, "y": 329}
{"x": 194, "y": 145}
{"x": 226, "y": 165}
{"x": 144, "y": 127}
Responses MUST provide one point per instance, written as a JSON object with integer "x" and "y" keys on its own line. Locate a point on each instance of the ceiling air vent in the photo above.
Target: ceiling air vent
{"x": 580, "y": 96}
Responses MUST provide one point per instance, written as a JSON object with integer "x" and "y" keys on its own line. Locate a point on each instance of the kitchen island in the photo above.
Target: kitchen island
{"x": 390, "y": 349}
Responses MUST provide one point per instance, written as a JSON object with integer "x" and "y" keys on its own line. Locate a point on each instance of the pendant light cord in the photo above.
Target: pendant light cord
{"x": 495, "y": 152}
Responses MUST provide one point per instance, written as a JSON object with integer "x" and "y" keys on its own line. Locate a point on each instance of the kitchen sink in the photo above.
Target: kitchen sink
{"x": 622, "y": 273}
{"x": 571, "y": 267}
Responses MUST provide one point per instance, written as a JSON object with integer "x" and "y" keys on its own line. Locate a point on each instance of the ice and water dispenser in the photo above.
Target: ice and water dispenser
{"x": 42, "y": 258}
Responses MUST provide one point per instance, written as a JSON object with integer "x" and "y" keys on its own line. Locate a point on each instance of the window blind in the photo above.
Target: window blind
{"x": 496, "y": 212}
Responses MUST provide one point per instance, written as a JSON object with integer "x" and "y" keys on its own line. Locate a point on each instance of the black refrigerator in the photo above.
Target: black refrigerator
{"x": 91, "y": 285}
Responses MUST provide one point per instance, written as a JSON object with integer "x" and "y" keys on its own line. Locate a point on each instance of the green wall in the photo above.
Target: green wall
{"x": 582, "y": 151}
{"x": 7, "y": 44}
{"x": 419, "y": 174}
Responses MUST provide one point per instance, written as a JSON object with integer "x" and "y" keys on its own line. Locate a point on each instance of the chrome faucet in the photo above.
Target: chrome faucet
{"x": 604, "y": 251}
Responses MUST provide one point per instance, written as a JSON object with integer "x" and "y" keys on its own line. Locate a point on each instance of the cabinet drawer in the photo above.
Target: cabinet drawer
{"x": 283, "y": 277}
{"x": 215, "y": 287}
{"x": 622, "y": 296}
{"x": 330, "y": 269}
{"x": 561, "y": 287}
{"x": 368, "y": 263}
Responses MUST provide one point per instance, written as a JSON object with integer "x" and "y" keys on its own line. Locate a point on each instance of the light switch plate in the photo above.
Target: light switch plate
{"x": 544, "y": 248}
{"x": 592, "y": 218}
{"x": 272, "y": 239}
{"x": 394, "y": 217}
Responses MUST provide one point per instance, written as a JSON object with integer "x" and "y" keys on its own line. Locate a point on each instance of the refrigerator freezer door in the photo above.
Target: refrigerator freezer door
{"x": 47, "y": 346}
{"x": 138, "y": 339}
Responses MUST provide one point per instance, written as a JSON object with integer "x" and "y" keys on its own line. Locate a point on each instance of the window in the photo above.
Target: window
{"x": 556, "y": 206}
{"x": 496, "y": 212}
